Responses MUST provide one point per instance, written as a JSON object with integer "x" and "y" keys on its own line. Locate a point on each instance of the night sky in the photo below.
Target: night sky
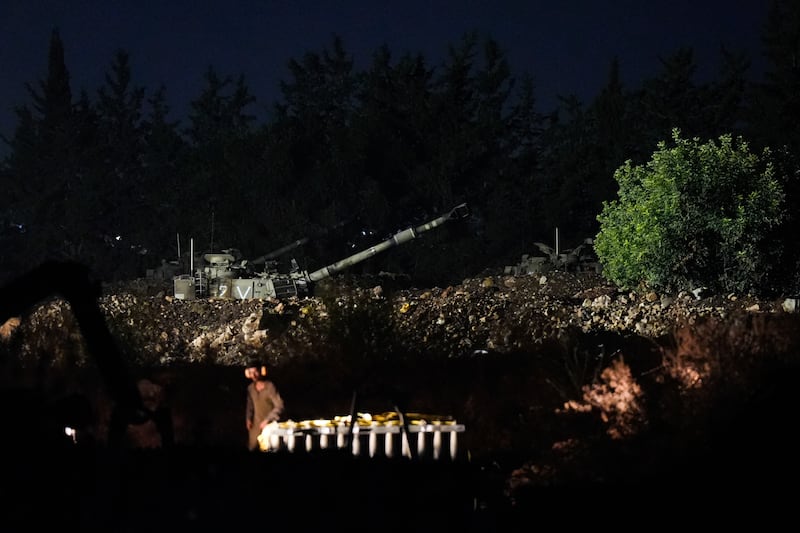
{"x": 566, "y": 46}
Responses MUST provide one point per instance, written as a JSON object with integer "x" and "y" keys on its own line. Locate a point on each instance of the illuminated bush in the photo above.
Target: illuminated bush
{"x": 694, "y": 215}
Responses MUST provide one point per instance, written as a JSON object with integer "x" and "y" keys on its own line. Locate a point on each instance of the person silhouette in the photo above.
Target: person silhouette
{"x": 264, "y": 403}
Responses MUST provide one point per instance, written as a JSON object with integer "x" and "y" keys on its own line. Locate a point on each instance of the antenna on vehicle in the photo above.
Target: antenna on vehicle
{"x": 556, "y": 241}
{"x": 212, "y": 228}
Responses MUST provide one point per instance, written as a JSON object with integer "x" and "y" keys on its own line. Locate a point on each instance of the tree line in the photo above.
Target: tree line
{"x": 109, "y": 180}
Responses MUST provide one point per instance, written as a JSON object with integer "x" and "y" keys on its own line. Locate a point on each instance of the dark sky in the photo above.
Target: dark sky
{"x": 565, "y": 45}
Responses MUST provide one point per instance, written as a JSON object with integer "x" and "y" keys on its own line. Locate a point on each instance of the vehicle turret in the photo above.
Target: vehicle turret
{"x": 578, "y": 259}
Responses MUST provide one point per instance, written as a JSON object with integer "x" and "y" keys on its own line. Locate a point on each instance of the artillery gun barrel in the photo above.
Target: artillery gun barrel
{"x": 280, "y": 251}
{"x": 291, "y": 246}
{"x": 459, "y": 211}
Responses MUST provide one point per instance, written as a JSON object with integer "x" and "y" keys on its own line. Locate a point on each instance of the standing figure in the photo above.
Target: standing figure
{"x": 264, "y": 403}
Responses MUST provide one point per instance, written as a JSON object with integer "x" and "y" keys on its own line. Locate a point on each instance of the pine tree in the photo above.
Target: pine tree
{"x": 774, "y": 109}
{"x": 44, "y": 164}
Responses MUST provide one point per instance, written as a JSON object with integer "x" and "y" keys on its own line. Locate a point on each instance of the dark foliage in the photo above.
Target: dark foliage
{"x": 109, "y": 180}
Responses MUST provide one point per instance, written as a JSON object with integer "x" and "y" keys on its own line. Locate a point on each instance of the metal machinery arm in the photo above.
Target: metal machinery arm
{"x": 459, "y": 211}
{"x": 73, "y": 282}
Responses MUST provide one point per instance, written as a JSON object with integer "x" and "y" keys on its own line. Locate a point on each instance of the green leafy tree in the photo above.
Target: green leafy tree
{"x": 695, "y": 214}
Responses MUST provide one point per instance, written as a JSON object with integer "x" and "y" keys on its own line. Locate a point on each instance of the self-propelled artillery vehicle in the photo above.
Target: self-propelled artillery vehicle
{"x": 579, "y": 259}
{"x": 224, "y": 276}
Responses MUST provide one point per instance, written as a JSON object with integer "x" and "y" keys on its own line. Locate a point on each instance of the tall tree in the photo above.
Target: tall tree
{"x": 574, "y": 168}
{"x": 221, "y": 111}
{"x": 613, "y": 125}
{"x": 513, "y": 215}
{"x": 393, "y": 126}
{"x": 455, "y": 111}
{"x": 219, "y": 161}
{"x": 162, "y": 139}
{"x": 119, "y": 110}
{"x": 724, "y": 101}
{"x": 775, "y": 103}
{"x": 45, "y": 161}
{"x": 118, "y": 165}
{"x": 315, "y": 123}
{"x": 53, "y": 100}
{"x": 472, "y": 146}
{"x": 671, "y": 99}
{"x": 163, "y": 151}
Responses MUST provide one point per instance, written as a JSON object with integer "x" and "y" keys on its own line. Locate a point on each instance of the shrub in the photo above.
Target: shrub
{"x": 694, "y": 215}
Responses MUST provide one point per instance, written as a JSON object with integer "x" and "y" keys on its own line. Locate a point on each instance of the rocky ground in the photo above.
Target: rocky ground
{"x": 561, "y": 379}
{"x": 495, "y": 313}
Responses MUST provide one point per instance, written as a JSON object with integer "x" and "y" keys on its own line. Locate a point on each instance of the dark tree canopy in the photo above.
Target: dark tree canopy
{"x": 348, "y": 156}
